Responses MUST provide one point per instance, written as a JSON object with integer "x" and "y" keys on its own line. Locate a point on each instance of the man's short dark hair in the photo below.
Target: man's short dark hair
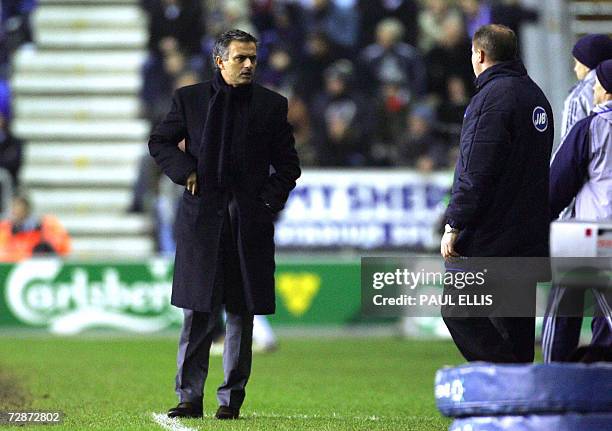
{"x": 497, "y": 41}
{"x": 221, "y": 48}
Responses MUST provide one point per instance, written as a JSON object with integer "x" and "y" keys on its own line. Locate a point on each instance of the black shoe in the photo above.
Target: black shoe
{"x": 225, "y": 412}
{"x": 186, "y": 410}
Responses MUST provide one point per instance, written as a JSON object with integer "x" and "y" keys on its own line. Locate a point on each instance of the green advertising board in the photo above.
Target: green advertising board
{"x": 68, "y": 297}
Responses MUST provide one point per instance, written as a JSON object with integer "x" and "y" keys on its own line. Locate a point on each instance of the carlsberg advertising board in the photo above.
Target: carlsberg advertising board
{"x": 69, "y": 297}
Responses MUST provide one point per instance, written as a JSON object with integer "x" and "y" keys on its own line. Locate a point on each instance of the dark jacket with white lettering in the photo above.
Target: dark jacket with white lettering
{"x": 499, "y": 197}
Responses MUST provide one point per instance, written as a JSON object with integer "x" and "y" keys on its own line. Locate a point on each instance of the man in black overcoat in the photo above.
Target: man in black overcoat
{"x": 238, "y": 168}
{"x": 499, "y": 200}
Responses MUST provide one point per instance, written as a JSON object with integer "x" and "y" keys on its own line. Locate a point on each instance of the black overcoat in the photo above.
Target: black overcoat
{"x": 270, "y": 169}
{"x": 499, "y": 197}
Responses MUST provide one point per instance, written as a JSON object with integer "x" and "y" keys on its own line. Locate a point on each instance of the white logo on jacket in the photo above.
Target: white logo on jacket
{"x": 540, "y": 119}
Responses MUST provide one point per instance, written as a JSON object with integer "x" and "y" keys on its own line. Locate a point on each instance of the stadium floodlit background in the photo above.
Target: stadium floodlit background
{"x": 377, "y": 91}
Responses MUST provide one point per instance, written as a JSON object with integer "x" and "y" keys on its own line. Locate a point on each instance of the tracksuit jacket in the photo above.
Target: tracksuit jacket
{"x": 582, "y": 168}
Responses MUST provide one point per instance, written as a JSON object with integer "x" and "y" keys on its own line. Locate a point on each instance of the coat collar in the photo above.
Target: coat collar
{"x": 503, "y": 69}
{"x": 256, "y": 108}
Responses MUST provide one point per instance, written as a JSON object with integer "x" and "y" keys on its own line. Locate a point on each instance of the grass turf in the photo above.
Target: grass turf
{"x": 308, "y": 384}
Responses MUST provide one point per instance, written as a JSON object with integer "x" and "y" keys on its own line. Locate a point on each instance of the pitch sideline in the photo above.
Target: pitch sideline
{"x": 170, "y": 424}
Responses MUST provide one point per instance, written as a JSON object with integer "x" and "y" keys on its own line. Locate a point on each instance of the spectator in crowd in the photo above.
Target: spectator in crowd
{"x": 280, "y": 23}
{"x": 341, "y": 119}
{"x": 236, "y": 15}
{"x": 279, "y": 74}
{"x": 15, "y": 29}
{"x": 299, "y": 117}
{"x": 476, "y": 13}
{"x": 11, "y": 149}
{"x": 452, "y": 109}
{"x": 390, "y": 60}
{"x": 178, "y": 22}
{"x": 513, "y": 14}
{"x": 160, "y": 74}
{"x": 393, "y": 104}
{"x": 588, "y": 52}
{"x": 24, "y": 234}
{"x": 422, "y": 148}
{"x": 431, "y": 21}
{"x": 319, "y": 54}
{"x": 371, "y": 12}
{"x": 448, "y": 58}
{"x": 339, "y": 24}
{"x": 289, "y": 26}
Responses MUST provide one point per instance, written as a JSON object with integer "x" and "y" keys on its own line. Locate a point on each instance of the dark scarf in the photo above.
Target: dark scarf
{"x": 222, "y": 149}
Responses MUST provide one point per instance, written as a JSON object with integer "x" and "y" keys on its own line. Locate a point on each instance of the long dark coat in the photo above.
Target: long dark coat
{"x": 269, "y": 142}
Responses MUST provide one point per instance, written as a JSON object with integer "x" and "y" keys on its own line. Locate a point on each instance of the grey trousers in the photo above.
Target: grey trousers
{"x": 198, "y": 330}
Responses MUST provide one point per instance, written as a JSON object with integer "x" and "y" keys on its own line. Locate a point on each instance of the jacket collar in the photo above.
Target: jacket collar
{"x": 603, "y": 107}
{"x": 506, "y": 68}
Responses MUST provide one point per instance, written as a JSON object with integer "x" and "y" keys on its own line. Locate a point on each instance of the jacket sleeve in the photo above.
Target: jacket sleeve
{"x": 163, "y": 144}
{"x": 569, "y": 167}
{"x": 284, "y": 160}
{"x": 483, "y": 158}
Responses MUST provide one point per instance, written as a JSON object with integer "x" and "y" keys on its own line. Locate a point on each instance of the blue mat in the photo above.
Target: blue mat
{"x": 482, "y": 389}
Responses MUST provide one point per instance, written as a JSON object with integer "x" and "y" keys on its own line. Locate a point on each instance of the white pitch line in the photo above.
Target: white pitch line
{"x": 315, "y": 416}
{"x": 170, "y": 424}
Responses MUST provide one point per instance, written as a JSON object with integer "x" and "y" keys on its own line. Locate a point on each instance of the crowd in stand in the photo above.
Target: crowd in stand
{"x": 14, "y": 31}
{"x": 369, "y": 82}
{"x": 22, "y": 232}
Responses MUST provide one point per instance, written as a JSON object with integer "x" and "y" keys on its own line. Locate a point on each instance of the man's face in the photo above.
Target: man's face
{"x": 580, "y": 70}
{"x": 599, "y": 93}
{"x": 239, "y": 68}
{"x": 385, "y": 38}
{"x": 19, "y": 211}
{"x": 477, "y": 57}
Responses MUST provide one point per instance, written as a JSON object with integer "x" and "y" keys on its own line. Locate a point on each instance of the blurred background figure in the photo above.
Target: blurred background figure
{"x": 15, "y": 30}
{"x": 341, "y": 119}
{"x": 11, "y": 149}
{"x": 339, "y": 24}
{"x": 431, "y": 21}
{"x": 421, "y": 148}
{"x": 24, "y": 234}
{"x": 389, "y": 60}
{"x": 476, "y": 13}
{"x": 447, "y": 57}
{"x": 451, "y": 109}
{"x": 373, "y": 11}
{"x": 392, "y": 107}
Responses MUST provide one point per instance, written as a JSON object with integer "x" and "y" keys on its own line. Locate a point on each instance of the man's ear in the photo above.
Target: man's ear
{"x": 481, "y": 56}
{"x": 219, "y": 62}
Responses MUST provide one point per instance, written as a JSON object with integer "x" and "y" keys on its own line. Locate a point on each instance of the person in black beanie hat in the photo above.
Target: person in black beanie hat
{"x": 604, "y": 78}
{"x": 589, "y": 51}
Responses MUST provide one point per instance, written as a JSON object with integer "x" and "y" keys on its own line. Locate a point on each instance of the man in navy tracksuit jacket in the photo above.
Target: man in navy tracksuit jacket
{"x": 499, "y": 200}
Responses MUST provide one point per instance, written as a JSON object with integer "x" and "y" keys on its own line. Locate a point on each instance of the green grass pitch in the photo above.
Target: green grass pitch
{"x": 308, "y": 384}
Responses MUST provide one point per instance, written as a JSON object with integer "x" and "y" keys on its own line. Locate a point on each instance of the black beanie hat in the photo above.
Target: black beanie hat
{"x": 592, "y": 49}
{"x": 604, "y": 75}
